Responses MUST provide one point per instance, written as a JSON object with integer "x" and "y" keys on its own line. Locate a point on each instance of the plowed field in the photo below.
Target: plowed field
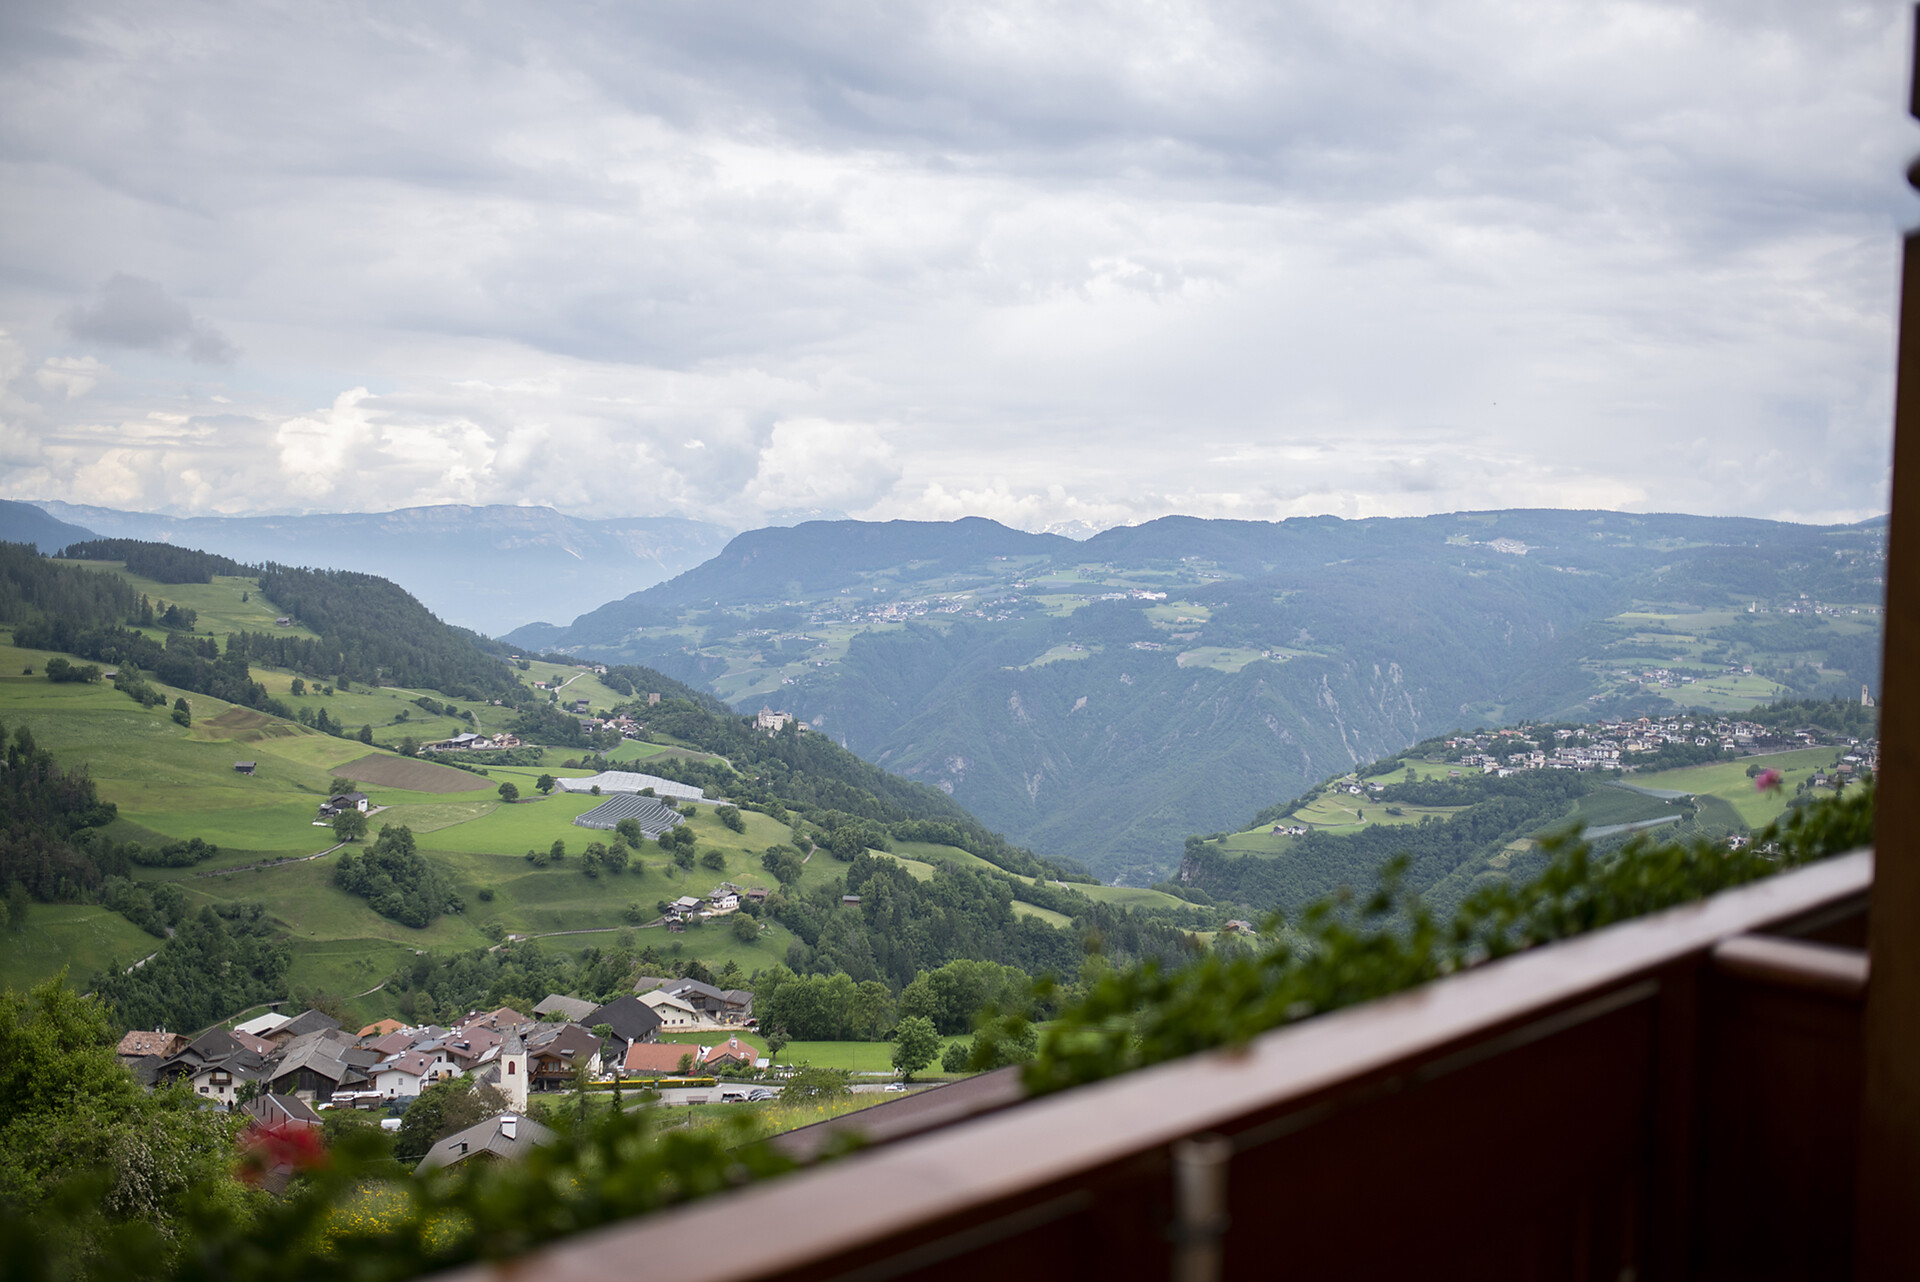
{"x": 414, "y": 776}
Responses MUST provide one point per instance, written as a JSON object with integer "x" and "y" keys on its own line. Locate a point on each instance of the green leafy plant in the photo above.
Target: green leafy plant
{"x": 1341, "y": 953}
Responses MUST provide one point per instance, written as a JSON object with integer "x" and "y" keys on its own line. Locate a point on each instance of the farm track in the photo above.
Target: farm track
{"x": 270, "y": 863}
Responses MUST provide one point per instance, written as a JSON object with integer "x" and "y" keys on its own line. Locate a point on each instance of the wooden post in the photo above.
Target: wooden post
{"x": 1889, "y": 1188}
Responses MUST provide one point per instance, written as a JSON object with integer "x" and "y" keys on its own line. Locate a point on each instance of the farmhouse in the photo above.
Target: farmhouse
{"x": 244, "y": 767}
{"x": 676, "y": 1013}
{"x": 344, "y": 801}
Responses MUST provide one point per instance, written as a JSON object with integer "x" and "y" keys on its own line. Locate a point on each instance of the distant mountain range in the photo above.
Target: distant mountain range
{"x": 1103, "y": 699}
{"x": 25, "y": 523}
{"x": 486, "y": 568}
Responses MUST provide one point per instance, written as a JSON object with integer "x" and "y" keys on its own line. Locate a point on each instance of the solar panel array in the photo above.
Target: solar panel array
{"x": 655, "y": 815}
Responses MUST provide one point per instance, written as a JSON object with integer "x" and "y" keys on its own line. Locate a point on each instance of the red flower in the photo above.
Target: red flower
{"x": 287, "y": 1146}
{"x": 1769, "y": 780}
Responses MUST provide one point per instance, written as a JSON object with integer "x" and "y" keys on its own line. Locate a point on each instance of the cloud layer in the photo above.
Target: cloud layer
{"x": 1054, "y": 265}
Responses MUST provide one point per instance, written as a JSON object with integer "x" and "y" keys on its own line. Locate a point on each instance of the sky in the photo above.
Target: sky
{"x": 1062, "y": 265}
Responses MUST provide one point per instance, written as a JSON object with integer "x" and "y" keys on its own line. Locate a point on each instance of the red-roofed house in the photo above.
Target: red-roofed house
{"x": 141, "y": 1043}
{"x": 732, "y": 1053}
{"x": 652, "y": 1059}
{"x": 411, "y": 1073}
{"x": 497, "y": 1020}
{"x": 382, "y": 1028}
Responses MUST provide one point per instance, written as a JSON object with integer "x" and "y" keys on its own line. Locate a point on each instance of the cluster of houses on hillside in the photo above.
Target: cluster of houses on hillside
{"x": 1613, "y": 744}
{"x": 309, "y": 1057}
{"x": 279, "y": 1070}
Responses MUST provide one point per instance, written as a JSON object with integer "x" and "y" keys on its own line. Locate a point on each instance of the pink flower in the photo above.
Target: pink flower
{"x": 1769, "y": 780}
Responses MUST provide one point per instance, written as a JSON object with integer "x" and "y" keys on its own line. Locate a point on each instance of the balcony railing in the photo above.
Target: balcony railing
{"x": 1671, "y": 1097}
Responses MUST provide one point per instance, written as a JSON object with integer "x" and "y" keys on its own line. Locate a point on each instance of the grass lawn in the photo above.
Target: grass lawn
{"x": 84, "y": 938}
{"x": 1066, "y": 650}
{"x": 1130, "y": 896}
{"x": 1422, "y": 769}
{"x": 1023, "y": 909}
{"x": 1728, "y": 781}
{"x": 1344, "y": 811}
{"x": 1608, "y": 805}
{"x": 1728, "y": 693}
{"x": 631, "y": 750}
{"x": 1219, "y": 658}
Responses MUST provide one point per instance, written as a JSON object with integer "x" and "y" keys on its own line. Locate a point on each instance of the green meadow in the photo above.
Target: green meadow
{"x": 171, "y": 782}
{"x": 83, "y": 938}
{"x": 1728, "y": 781}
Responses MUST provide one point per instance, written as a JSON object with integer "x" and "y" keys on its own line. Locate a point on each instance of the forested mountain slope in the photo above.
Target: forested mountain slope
{"x": 1102, "y": 699}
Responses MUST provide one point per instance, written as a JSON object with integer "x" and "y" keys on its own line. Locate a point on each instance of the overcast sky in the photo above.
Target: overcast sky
{"x": 1044, "y": 263}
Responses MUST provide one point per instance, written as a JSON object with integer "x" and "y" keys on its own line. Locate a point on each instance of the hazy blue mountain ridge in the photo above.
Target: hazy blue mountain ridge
{"x": 25, "y": 523}
{"x": 486, "y": 568}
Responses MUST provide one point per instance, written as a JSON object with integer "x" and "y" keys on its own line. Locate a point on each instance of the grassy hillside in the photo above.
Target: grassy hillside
{"x": 170, "y": 782}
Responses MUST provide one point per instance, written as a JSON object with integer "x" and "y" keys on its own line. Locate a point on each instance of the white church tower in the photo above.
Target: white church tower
{"x": 513, "y": 1073}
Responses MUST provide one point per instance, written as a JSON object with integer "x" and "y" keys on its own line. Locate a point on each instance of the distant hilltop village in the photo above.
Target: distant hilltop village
{"x": 1613, "y": 744}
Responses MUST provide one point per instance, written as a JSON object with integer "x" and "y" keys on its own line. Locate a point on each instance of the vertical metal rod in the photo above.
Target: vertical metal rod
{"x": 1200, "y": 1206}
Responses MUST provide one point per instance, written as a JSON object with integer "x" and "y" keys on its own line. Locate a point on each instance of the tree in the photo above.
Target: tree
{"x": 366, "y": 734}
{"x": 557, "y": 851}
{"x": 713, "y": 859}
{"x": 509, "y": 792}
{"x": 916, "y": 1045}
{"x": 783, "y": 864}
{"x": 409, "y": 747}
{"x": 340, "y": 784}
{"x": 731, "y": 817}
{"x": 79, "y": 1139}
{"x": 955, "y": 1059}
{"x": 298, "y": 687}
{"x": 776, "y": 1042}
{"x": 813, "y": 1084}
{"x": 745, "y": 929}
{"x": 181, "y": 712}
{"x": 349, "y": 825}
{"x": 545, "y": 784}
{"x": 630, "y": 830}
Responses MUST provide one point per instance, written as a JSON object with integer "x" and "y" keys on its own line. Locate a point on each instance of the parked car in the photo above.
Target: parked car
{"x": 895, "y": 1086}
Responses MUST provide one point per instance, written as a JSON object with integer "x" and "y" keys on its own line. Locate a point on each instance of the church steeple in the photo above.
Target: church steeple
{"x": 513, "y": 1072}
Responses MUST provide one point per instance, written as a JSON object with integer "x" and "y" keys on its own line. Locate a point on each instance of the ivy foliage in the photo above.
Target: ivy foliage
{"x": 1341, "y": 953}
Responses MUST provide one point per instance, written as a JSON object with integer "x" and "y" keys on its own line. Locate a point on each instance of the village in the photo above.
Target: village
{"x": 284, "y": 1071}
{"x": 1614, "y": 744}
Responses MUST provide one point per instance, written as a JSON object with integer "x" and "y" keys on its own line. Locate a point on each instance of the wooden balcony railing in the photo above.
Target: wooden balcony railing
{"x": 1671, "y": 1097}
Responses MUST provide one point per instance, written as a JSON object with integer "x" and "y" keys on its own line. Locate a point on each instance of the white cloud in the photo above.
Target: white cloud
{"x": 1087, "y": 263}
{"x": 815, "y": 463}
